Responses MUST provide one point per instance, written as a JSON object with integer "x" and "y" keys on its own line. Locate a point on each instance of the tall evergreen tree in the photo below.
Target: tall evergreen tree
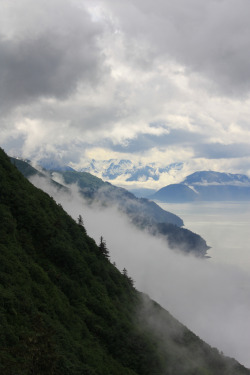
{"x": 103, "y": 248}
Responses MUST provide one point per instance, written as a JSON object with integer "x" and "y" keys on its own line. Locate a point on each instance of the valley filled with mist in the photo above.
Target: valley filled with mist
{"x": 210, "y": 296}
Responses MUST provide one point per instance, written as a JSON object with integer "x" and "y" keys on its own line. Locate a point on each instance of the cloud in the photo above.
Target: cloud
{"x": 49, "y": 50}
{"x": 222, "y": 151}
{"x": 212, "y": 299}
{"x": 134, "y": 77}
{"x": 145, "y": 141}
{"x": 210, "y": 38}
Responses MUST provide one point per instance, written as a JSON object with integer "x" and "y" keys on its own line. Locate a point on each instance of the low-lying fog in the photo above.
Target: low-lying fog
{"x": 211, "y": 298}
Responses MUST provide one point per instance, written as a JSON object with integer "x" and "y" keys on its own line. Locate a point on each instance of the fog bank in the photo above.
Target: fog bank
{"x": 213, "y": 300}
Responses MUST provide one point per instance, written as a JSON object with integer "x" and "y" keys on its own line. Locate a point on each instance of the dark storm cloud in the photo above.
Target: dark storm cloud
{"x": 49, "y": 62}
{"x": 144, "y": 142}
{"x": 207, "y": 37}
{"x": 97, "y": 73}
{"x": 222, "y": 151}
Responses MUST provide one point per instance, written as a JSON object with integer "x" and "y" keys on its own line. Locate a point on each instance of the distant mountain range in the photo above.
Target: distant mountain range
{"x": 111, "y": 169}
{"x": 206, "y": 186}
{"x": 140, "y": 179}
{"x": 128, "y": 171}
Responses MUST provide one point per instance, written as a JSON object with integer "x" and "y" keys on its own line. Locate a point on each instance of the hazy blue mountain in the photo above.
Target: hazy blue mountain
{"x": 206, "y": 186}
{"x": 215, "y": 186}
{"x": 178, "y": 193}
{"x": 142, "y": 192}
{"x": 211, "y": 177}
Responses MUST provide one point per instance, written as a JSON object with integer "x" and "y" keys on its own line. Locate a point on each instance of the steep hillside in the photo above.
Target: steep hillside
{"x": 137, "y": 208}
{"x": 65, "y": 309}
{"x": 144, "y": 214}
{"x": 28, "y": 171}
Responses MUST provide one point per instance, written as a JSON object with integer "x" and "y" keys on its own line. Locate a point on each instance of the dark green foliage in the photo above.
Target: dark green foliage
{"x": 127, "y": 277}
{"x": 62, "y": 305}
{"x": 103, "y": 248}
{"x": 65, "y": 309}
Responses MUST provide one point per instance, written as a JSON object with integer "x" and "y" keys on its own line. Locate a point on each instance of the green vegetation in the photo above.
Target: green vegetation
{"x": 144, "y": 214}
{"x": 65, "y": 309}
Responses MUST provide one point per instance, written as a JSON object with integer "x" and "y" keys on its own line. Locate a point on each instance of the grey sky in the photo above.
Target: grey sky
{"x": 210, "y": 37}
{"x": 88, "y": 79}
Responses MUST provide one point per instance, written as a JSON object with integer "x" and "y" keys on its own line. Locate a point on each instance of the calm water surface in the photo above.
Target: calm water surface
{"x": 224, "y": 225}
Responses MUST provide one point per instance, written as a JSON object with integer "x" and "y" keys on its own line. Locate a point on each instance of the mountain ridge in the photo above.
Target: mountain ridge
{"x": 66, "y": 310}
{"x": 114, "y": 169}
{"x": 206, "y": 186}
{"x": 212, "y": 177}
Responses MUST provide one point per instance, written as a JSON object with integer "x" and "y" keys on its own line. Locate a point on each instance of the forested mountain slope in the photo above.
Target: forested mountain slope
{"x": 65, "y": 309}
{"x": 138, "y": 209}
{"x": 144, "y": 214}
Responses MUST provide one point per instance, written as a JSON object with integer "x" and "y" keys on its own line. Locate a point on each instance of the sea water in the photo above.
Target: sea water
{"x": 224, "y": 225}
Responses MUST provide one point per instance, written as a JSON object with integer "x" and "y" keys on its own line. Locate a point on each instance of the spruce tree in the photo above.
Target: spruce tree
{"x": 103, "y": 247}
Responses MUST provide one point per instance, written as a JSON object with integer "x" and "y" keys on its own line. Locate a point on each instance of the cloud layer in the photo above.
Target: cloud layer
{"x": 160, "y": 82}
{"x": 210, "y": 38}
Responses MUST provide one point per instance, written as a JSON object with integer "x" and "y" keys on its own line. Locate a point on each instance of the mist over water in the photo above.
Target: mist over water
{"x": 224, "y": 225}
{"x": 210, "y": 297}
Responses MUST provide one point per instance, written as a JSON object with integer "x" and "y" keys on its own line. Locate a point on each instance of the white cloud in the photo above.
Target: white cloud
{"x": 212, "y": 299}
{"x": 98, "y": 74}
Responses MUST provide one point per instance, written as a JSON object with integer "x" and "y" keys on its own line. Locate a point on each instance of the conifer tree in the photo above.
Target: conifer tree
{"x": 125, "y": 274}
{"x": 80, "y": 220}
{"x": 103, "y": 247}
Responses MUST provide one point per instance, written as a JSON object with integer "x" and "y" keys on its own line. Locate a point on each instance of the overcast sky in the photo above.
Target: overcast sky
{"x": 153, "y": 81}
